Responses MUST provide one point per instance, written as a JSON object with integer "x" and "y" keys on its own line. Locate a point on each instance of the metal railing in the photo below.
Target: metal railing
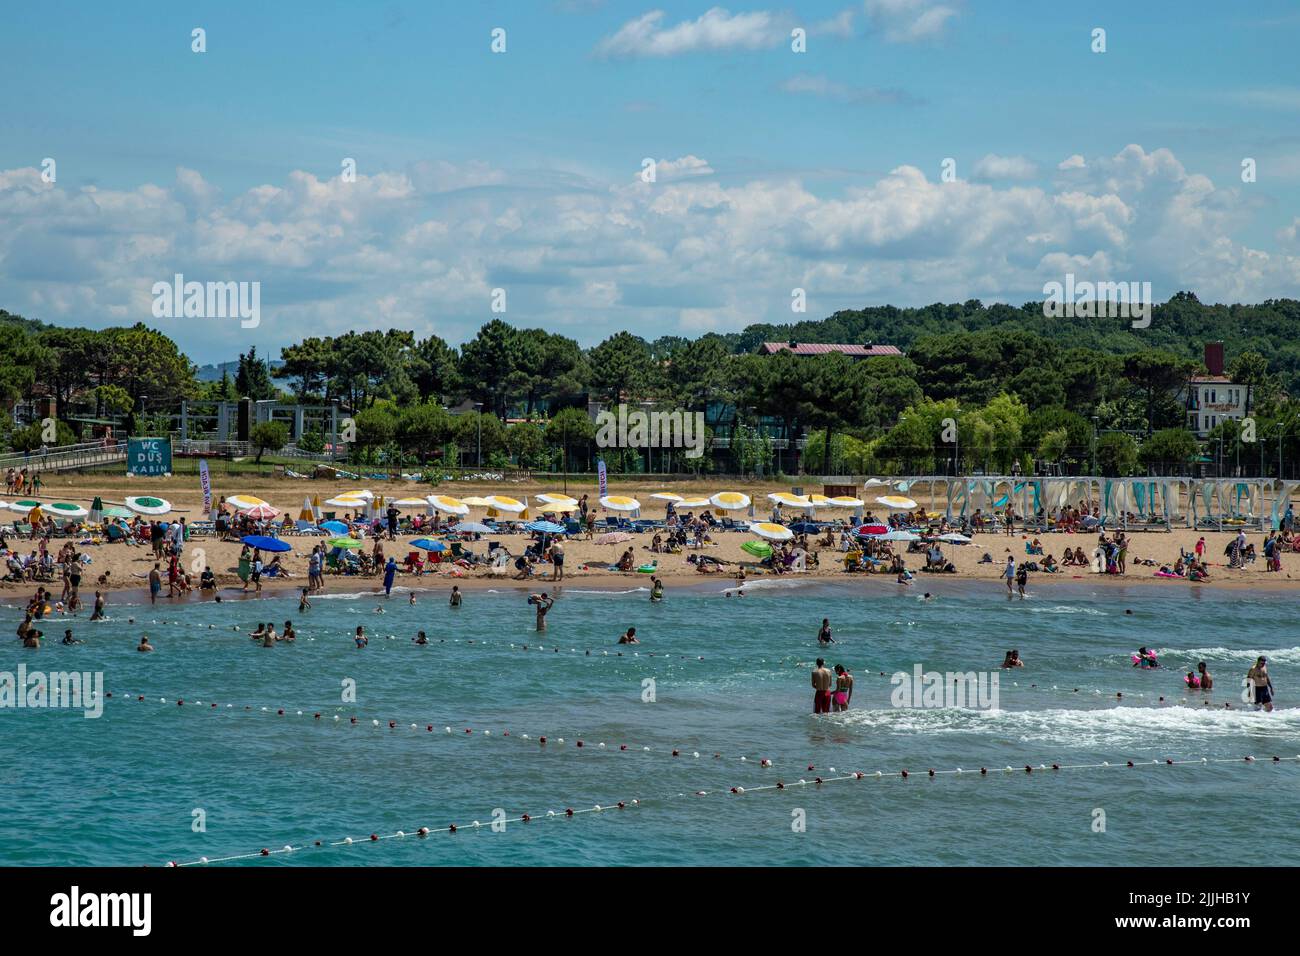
{"x": 62, "y": 457}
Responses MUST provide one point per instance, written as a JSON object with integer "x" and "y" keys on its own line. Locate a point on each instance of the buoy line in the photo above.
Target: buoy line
{"x": 857, "y": 776}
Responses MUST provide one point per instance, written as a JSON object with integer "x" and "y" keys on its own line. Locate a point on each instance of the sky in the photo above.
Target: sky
{"x": 914, "y": 151}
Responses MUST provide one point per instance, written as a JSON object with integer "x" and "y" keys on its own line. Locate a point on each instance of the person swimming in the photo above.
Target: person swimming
{"x": 144, "y": 644}
{"x": 1145, "y": 658}
{"x": 629, "y": 637}
{"x": 1192, "y": 681}
{"x": 361, "y": 638}
{"x": 420, "y": 638}
{"x": 1013, "y": 659}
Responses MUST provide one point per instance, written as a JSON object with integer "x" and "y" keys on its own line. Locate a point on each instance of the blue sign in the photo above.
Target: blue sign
{"x": 149, "y": 456}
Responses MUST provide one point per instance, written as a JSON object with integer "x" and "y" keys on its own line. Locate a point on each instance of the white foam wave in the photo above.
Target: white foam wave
{"x": 1282, "y": 655}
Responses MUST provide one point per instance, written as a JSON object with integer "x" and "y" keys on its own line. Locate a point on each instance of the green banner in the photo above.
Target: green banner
{"x": 149, "y": 456}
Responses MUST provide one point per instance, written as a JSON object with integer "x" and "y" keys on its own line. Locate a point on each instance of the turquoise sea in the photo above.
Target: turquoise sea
{"x": 730, "y": 677}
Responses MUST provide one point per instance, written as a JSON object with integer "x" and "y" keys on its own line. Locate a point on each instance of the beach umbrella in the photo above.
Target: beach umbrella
{"x": 474, "y": 527}
{"x": 411, "y": 503}
{"x": 547, "y": 527}
{"x": 759, "y": 549}
{"x": 874, "y": 483}
{"x": 427, "y": 544}
{"x": 789, "y": 499}
{"x": 365, "y": 493}
{"x": 334, "y": 527}
{"x": 265, "y": 543}
{"x": 898, "y": 536}
{"x": 730, "y": 501}
{"x": 307, "y": 513}
{"x": 614, "y": 537}
{"x": 261, "y": 511}
{"x": 244, "y": 502}
{"x": 343, "y": 501}
{"x": 97, "y": 509}
{"x": 506, "y": 504}
{"x": 872, "y": 528}
{"x": 693, "y": 503}
{"x": 955, "y": 538}
{"x": 117, "y": 511}
{"x": 896, "y": 502}
{"x": 771, "y": 532}
{"x": 146, "y": 505}
{"x": 23, "y": 507}
{"x": 804, "y": 527}
{"x": 447, "y": 504}
{"x": 65, "y": 509}
{"x": 563, "y": 502}
{"x": 476, "y": 501}
{"x": 343, "y": 543}
{"x": 666, "y": 496}
{"x": 620, "y": 503}
{"x": 844, "y": 501}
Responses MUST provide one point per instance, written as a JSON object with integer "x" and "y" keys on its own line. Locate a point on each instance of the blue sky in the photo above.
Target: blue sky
{"x": 818, "y": 170}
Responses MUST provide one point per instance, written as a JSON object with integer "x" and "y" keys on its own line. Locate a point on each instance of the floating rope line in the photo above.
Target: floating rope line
{"x": 857, "y": 776}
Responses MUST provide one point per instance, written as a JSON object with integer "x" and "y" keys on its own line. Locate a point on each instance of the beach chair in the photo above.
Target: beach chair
{"x": 22, "y": 529}
{"x": 572, "y": 527}
{"x": 457, "y": 549}
{"x": 306, "y": 527}
{"x": 201, "y": 529}
{"x": 414, "y": 562}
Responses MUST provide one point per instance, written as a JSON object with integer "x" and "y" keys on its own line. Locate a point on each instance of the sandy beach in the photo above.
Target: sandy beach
{"x": 589, "y": 562}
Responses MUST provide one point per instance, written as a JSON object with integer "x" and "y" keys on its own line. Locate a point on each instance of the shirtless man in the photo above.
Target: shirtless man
{"x": 543, "y": 604}
{"x": 1207, "y": 681}
{"x": 1261, "y": 685}
{"x": 629, "y": 637}
{"x": 822, "y": 678}
{"x": 455, "y": 599}
{"x": 144, "y": 645}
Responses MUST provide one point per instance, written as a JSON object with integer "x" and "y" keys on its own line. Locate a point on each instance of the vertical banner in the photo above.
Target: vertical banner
{"x": 205, "y": 482}
{"x": 600, "y": 471}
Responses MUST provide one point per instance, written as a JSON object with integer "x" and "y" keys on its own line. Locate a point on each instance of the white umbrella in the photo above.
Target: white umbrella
{"x": 405, "y": 503}
{"x": 344, "y": 501}
{"x": 145, "y": 505}
{"x": 955, "y": 538}
{"x": 474, "y": 501}
{"x": 693, "y": 503}
{"x": 447, "y": 505}
{"x": 730, "y": 501}
{"x": 620, "y": 503}
{"x": 897, "y": 536}
{"x": 563, "y": 502}
{"x": 666, "y": 496}
{"x": 874, "y": 483}
{"x": 770, "y": 531}
{"x": 896, "y": 502}
{"x": 23, "y": 507}
{"x": 789, "y": 499}
{"x": 66, "y": 509}
{"x": 844, "y": 501}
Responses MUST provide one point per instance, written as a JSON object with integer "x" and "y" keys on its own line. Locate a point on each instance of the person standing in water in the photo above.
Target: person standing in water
{"x": 1261, "y": 685}
{"x": 843, "y": 689}
{"x": 543, "y": 604}
{"x": 824, "y": 635}
{"x": 822, "y": 679}
{"x": 1207, "y": 682}
{"x": 455, "y": 596}
{"x": 656, "y": 589}
{"x": 1022, "y": 579}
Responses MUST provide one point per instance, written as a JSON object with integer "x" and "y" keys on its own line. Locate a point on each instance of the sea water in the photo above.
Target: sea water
{"x": 153, "y": 781}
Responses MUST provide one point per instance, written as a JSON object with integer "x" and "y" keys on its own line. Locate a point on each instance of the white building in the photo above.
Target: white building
{"x": 1214, "y": 397}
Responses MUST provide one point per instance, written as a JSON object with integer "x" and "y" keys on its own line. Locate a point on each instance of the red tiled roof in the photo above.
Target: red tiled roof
{"x": 822, "y": 348}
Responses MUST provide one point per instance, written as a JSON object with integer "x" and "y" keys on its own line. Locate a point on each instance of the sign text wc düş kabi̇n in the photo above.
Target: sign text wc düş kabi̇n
{"x": 149, "y": 456}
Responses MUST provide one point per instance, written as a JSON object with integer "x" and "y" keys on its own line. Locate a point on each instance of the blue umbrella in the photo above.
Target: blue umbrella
{"x": 805, "y": 527}
{"x": 336, "y": 527}
{"x": 549, "y": 527}
{"x": 428, "y": 545}
{"x": 266, "y": 544}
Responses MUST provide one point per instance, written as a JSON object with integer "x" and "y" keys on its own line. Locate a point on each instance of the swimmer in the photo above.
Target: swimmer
{"x": 420, "y": 638}
{"x": 629, "y": 637}
{"x": 69, "y": 639}
{"x": 361, "y": 638}
{"x": 927, "y": 596}
{"x": 1192, "y": 681}
{"x": 259, "y": 633}
{"x": 455, "y": 599}
{"x": 1012, "y": 659}
{"x": 289, "y": 633}
{"x": 379, "y": 610}
{"x": 656, "y": 589}
{"x": 544, "y": 604}
{"x": 1207, "y": 682}
{"x": 303, "y": 603}
{"x": 144, "y": 644}
{"x": 824, "y": 635}
{"x": 843, "y": 689}
{"x": 412, "y": 601}
{"x": 1146, "y": 658}
{"x": 32, "y": 639}
{"x": 1261, "y": 685}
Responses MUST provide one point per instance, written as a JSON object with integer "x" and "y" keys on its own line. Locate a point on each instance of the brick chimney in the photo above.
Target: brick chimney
{"x": 1214, "y": 358}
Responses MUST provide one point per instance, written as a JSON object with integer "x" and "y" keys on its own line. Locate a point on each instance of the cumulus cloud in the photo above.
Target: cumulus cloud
{"x": 994, "y": 167}
{"x": 717, "y": 29}
{"x": 422, "y": 248}
{"x": 909, "y": 21}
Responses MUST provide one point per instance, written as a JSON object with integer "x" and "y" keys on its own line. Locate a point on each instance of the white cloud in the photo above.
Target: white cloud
{"x": 1072, "y": 162}
{"x": 994, "y": 167}
{"x": 717, "y": 29}
{"x": 815, "y": 84}
{"x": 908, "y": 21}
{"x": 422, "y": 248}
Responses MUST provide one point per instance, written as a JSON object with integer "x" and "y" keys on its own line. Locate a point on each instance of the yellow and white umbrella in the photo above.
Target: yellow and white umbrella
{"x": 789, "y": 499}
{"x": 770, "y": 531}
{"x": 730, "y": 501}
{"x": 245, "y": 502}
{"x": 819, "y": 501}
{"x": 345, "y": 501}
{"x": 563, "y": 502}
{"x": 620, "y": 503}
{"x": 448, "y": 505}
{"x": 506, "y": 504}
{"x": 896, "y": 502}
{"x": 844, "y": 501}
{"x": 359, "y": 493}
{"x": 308, "y": 512}
{"x": 475, "y": 501}
{"x": 666, "y": 496}
{"x": 694, "y": 503}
